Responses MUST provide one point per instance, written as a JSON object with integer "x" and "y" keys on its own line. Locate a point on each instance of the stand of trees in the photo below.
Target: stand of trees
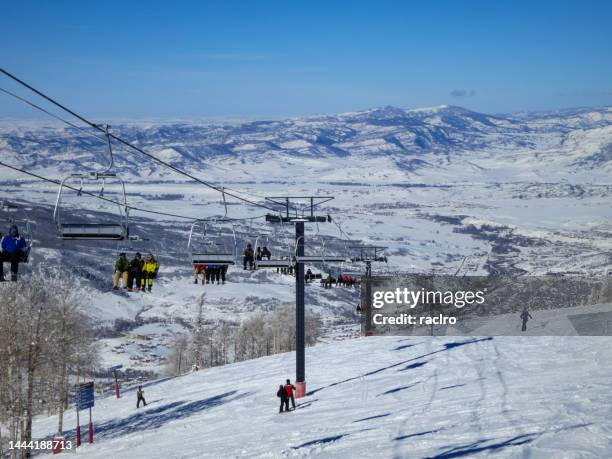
{"x": 45, "y": 346}
{"x": 210, "y": 345}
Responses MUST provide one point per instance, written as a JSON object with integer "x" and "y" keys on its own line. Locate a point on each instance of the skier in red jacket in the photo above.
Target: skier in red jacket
{"x": 284, "y": 400}
{"x": 289, "y": 388}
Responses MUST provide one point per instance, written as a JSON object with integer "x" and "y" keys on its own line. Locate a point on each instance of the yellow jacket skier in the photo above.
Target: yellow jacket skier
{"x": 149, "y": 272}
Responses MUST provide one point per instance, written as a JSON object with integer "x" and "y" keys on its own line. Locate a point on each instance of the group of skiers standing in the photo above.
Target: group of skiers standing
{"x": 285, "y": 393}
{"x": 136, "y": 274}
{"x": 13, "y": 250}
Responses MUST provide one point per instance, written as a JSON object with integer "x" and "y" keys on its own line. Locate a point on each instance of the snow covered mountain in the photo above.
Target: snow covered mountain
{"x": 411, "y": 141}
{"x": 375, "y": 397}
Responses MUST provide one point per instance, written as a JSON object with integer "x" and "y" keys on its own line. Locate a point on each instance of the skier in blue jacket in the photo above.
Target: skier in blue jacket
{"x": 13, "y": 250}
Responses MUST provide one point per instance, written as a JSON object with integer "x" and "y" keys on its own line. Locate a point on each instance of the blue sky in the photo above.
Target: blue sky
{"x": 191, "y": 59}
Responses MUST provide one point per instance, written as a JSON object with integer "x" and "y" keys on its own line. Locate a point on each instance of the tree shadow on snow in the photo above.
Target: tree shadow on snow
{"x": 321, "y": 441}
{"x": 412, "y": 366}
{"x": 418, "y": 434}
{"x": 481, "y": 446}
{"x": 405, "y": 346}
{"x": 326, "y": 440}
{"x": 307, "y": 404}
{"x": 447, "y": 347}
{"x": 373, "y": 417}
{"x": 397, "y": 389}
{"x": 157, "y": 417}
{"x": 452, "y": 387}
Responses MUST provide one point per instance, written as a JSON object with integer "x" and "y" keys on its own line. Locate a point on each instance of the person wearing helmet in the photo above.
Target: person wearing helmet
{"x": 122, "y": 267}
{"x": 13, "y": 249}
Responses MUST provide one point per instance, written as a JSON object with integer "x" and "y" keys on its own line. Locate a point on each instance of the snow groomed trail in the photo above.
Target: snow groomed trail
{"x": 395, "y": 397}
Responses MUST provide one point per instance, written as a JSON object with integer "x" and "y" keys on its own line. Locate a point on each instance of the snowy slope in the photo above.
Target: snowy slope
{"x": 377, "y": 397}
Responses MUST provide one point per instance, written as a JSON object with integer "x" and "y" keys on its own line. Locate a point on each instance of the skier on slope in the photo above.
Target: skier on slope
{"x": 284, "y": 399}
{"x": 140, "y": 395}
{"x": 525, "y": 316}
{"x": 290, "y": 388}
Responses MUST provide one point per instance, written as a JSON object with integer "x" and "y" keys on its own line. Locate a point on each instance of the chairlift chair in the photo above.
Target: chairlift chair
{"x": 285, "y": 257}
{"x": 321, "y": 257}
{"x": 281, "y": 261}
{"x": 369, "y": 253}
{"x": 106, "y": 230}
{"x": 118, "y": 230}
{"x": 211, "y": 250}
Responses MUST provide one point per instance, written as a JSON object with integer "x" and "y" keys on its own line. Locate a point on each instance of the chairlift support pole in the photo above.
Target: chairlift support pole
{"x": 284, "y": 203}
{"x": 300, "y": 323}
{"x": 367, "y": 304}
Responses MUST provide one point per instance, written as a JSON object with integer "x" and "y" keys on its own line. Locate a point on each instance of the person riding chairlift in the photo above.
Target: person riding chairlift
{"x": 249, "y": 257}
{"x": 199, "y": 268}
{"x": 135, "y": 272}
{"x": 149, "y": 272}
{"x": 122, "y": 268}
{"x": 13, "y": 249}
{"x": 329, "y": 280}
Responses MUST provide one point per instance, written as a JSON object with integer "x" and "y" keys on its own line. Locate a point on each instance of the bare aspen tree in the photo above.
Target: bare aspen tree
{"x": 198, "y": 335}
{"x": 70, "y": 338}
{"x": 40, "y": 319}
{"x": 178, "y": 359}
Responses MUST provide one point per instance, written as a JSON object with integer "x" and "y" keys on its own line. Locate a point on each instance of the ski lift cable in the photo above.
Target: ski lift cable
{"x": 130, "y": 207}
{"x": 104, "y": 139}
{"x": 51, "y": 114}
{"x": 130, "y": 145}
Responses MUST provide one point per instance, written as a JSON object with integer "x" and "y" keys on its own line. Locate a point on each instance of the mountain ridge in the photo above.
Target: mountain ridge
{"x": 435, "y": 136}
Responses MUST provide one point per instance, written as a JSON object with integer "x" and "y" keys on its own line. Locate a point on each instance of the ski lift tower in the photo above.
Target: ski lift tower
{"x": 299, "y": 210}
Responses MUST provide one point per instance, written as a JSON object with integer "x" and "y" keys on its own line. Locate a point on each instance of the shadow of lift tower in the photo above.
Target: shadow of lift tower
{"x": 298, "y": 210}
